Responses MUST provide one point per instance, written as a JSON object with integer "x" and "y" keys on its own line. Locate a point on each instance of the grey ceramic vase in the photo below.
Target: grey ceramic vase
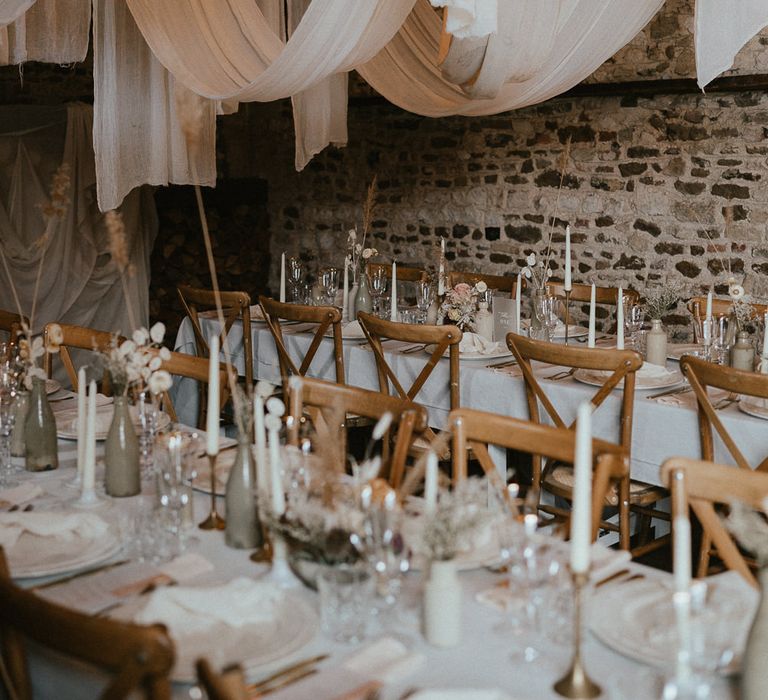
{"x": 363, "y": 300}
{"x": 754, "y": 670}
{"x": 41, "y": 448}
{"x": 243, "y": 526}
{"x": 121, "y": 453}
{"x": 20, "y": 408}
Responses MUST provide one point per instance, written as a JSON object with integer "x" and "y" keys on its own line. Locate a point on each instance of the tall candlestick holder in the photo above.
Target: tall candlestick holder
{"x": 214, "y": 521}
{"x": 567, "y": 314}
{"x": 576, "y": 683}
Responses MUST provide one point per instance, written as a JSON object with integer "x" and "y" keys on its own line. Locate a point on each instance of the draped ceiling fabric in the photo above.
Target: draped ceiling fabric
{"x": 90, "y": 293}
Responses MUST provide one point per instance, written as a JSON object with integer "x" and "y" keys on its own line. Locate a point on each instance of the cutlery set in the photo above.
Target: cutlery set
{"x": 285, "y": 676}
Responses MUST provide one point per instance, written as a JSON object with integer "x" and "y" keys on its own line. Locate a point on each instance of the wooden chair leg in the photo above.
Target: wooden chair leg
{"x": 623, "y": 492}
{"x": 706, "y": 546}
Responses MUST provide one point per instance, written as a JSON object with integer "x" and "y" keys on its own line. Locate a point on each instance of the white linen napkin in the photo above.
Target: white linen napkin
{"x": 387, "y": 660}
{"x": 474, "y": 343}
{"x": 186, "y": 610}
{"x": 650, "y": 371}
{"x": 460, "y": 694}
{"x": 22, "y": 493}
{"x": 62, "y": 526}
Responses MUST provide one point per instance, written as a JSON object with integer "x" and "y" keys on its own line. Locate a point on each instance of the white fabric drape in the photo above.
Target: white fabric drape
{"x": 138, "y": 137}
{"x": 11, "y": 10}
{"x": 722, "y": 28}
{"x": 79, "y": 284}
{"x": 471, "y": 18}
{"x": 588, "y": 33}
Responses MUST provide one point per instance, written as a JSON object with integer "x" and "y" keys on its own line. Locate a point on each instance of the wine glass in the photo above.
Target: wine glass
{"x": 546, "y": 312}
{"x": 7, "y": 419}
{"x": 425, "y": 295}
{"x": 148, "y": 409}
{"x": 378, "y": 280}
{"x": 295, "y": 277}
{"x": 633, "y": 320}
{"x": 329, "y": 280}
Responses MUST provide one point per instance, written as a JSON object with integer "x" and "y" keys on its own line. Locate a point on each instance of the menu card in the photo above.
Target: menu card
{"x": 503, "y": 317}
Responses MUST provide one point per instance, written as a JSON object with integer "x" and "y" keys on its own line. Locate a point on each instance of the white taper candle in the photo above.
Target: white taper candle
{"x": 344, "y": 299}
{"x": 212, "y": 417}
{"x": 430, "y": 485}
{"x": 591, "y": 334}
{"x": 518, "y": 297}
{"x": 260, "y": 440}
{"x": 89, "y": 457}
{"x": 581, "y": 516}
{"x": 681, "y": 530}
{"x": 567, "y": 284}
{"x": 764, "y": 365}
{"x": 441, "y": 270}
{"x": 275, "y": 480}
{"x": 393, "y": 296}
{"x": 282, "y": 278}
{"x": 81, "y": 418}
{"x": 708, "y": 315}
{"x": 620, "y": 320}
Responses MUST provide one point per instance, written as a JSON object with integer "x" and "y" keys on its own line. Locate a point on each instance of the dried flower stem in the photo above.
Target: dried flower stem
{"x": 368, "y": 207}
{"x": 563, "y": 165}
{"x": 118, "y": 250}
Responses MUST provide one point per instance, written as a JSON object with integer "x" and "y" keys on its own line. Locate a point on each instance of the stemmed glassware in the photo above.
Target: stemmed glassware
{"x": 378, "y": 285}
{"x": 633, "y": 320}
{"x": 147, "y": 407}
{"x": 546, "y": 312}
{"x": 295, "y": 278}
{"x": 7, "y": 419}
{"x": 329, "y": 281}
{"x": 425, "y": 295}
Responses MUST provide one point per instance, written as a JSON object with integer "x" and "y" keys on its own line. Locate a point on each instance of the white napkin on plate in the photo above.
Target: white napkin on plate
{"x": 474, "y": 343}
{"x": 650, "y": 371}
{"x": 62, "y": 526}
{"x": 387, "y": 660}
{"x": 22, "y": 493}
{"x": 186, "y": 610}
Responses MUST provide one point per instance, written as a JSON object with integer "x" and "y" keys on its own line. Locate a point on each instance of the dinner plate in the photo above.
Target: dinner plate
{"x": 349, "y": 331}
{"x": 294, "y": 624}
{"x": 675, "y": 352}
{"x": 475, "y": 356}
{"x": 559, "y": 332}
{"x": 34, "y": 556}
{"x": 52, "y": 386}
{"x": 635, "y": 620}
{"x": 642, "y": 383}
{"x": 66, "y": 422}
{"x": 753, "y": 406}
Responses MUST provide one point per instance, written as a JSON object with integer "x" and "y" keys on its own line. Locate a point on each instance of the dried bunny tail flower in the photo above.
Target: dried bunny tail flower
{"x": 57, "y": 205}
{"x": 369, "y": 206}
{"x": 190, "y": 110}
{"x": 118, "y": 245}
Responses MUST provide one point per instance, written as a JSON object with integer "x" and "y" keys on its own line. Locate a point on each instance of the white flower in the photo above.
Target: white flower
{"x": 264, "y": 389}
{"x": 481, "y": 287}
{"x": 140, "y": 336}
{"x": 526, "y": 273}
{"x": 275, "y": 406}
{"x": 55, "y": 334}
{"x": 160, "y": 381}
{"x": 531, "y": 259}
{"x": 549, "y": 272}
{"x": 37, "y": 348}
{"x": 736, "y": 291}
{"x": 127, "y": 348}
{"x": 157, "y": 332}
{"x": 165, "y": 354}
{"x": 155, "y": 363}
{"x": 272, "y": 422}
{"x": 368, "y": 253}
{"x": 382, "y": 426}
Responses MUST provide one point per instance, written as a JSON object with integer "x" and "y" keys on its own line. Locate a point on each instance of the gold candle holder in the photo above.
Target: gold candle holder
{"x": 576, "y": 683}
{"x": 214, "y": 521}
{"x": 567, "y": 313}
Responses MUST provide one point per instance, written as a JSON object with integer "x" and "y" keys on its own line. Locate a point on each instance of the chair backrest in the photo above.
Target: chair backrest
{"x": 324, "y": 318}
{"x": 603, "y": 295}
{"x": 404, "y": 274}
{"x": 12, "y": 324}
{"x": 76, "y": 337}
{"x": 329, "y": 405}
{"x": 702, "y": 374}
{"x": 228, "y": 685}
{"x": 235, "y": 305}
{"x": 442, "y": 337}
{"x": 702, "y": 485}
{"x": 502, "y": 283}
{"x": 180, "y": 364}
{"x": 478, "y": 429}
{"x": 137, "y": 657}
{"x": 622, "y": 365}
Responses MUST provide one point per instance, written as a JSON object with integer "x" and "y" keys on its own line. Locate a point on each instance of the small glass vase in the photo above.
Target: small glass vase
{"x": 363, "y": 301}
{"x": 20, "y": 406}
{"x": 41, "y": 447}
{"x": 243, "y": 529}
{"x": 535, "y": 326}
{"x": 121, "y": 453}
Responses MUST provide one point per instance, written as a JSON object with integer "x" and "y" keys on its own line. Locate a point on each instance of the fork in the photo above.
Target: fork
{"x": 727, "y": 401}
{"x": 562, "y": 374}
{"x": 412, "y": 349}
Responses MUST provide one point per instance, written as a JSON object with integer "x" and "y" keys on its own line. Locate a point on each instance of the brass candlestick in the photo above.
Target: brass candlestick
{"x": 567, "y": 313}
{"x": 576, "y": 683}
{"x": 214, "y": 521}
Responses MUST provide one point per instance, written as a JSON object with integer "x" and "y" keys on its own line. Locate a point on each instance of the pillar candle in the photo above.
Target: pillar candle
{"x": 260, "y": 440}
{"x": 681, "y": 541}
{"x": 344, "y": 299}
{"x": 430, "y": 485}
{"x": 581, "y": 516}
{"x": 591, "y": 336}
{"x": 275, "y": 480}
{"x": 81, "y": 418}
{"x": 89, "y": 457}
{"x": 393, "y": 296}
{"x": 567, "y": 284}
{"x": 620, "y": 320}
{"x": 282, "y": 278}
{"x": 518, "y": 295}
{"x": 441, "y": 270}
{"x": 212, "y": 423}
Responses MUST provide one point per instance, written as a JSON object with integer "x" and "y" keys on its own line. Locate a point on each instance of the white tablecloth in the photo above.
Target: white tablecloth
{"x": 660, "y": 431}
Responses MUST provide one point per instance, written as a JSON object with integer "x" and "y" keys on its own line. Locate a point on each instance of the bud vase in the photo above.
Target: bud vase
{"x": 754, "y": 673}
{"x": 442, "y": 605}
{"x": 351, "y": 297}
{"x": 656, "y": 344}
{"x": 363, "y": 300}
{"x": 20, "y": 408}
{"x": 121, "y": 453}
{"x": 743, "y": 353}
{"x": 41, "y": 447}
{"x": 243, "y": 525}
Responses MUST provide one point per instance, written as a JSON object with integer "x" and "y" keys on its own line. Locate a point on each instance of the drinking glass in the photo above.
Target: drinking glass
{"x": 545, "y": 309}
{"x": 378, "y": 285}
{"x": 295, "y": 278}
{"x": 721, "y": 341}
{"x": 633, "y": 321}
{"x": 148, "y": 409}
{"x": 425, "y": 295}
{"x": 329, "y": 280}
{"x": 7, "y": 419}
{"x": 345, "y": 602}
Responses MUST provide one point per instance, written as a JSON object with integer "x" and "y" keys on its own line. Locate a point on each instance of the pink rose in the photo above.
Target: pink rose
{"x": 462, "y": 288}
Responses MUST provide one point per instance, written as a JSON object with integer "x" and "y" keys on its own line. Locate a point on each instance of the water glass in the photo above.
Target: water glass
{"x": 7, "y": 419}
{"x": 633, "y": 321}
{"x": 378, "y": 285}
{"x": 411, "y": 316}
{"x": 346, "y": 595}
{"x": 295, "y": 278}
{"x": 147, "y": 407}
{"x": 329, "y": 281}
{"x": 425, "y": 295}
{"x": 545, "y": 309}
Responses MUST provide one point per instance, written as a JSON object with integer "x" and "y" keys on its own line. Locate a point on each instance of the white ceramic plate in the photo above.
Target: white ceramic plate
{"x": 475, "y": 356}
{"x": 249, "y": 646}
{"x": 34, "y": 556}
{"x": 559, "y": 332}
{"x": 66, "y": 422}
{"x": 675, "y": 352}
{"x": 753, "y": 406}
{"x": 51, "y": 386}
{"x": 349, "y": 331}
{"x": 598, "y": 377}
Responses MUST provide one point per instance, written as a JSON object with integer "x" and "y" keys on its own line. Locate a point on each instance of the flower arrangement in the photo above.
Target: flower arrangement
{"x": 660, "y": 299}
{"x": 460, "y": 516}
{"x": 359, "y": 255}
{"x": 135, "y": 362}
{"x": 460, "y": 304}
{"x": 537, "y": 271}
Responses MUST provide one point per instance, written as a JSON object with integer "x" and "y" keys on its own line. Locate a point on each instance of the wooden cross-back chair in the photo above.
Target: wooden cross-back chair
{"x": 608, "y": 296}
{"x": 556, "y": 477}
{"x": 137, "y": 657}
{"x": 329, "y": 406}
{"x": 441, "y": 337}
{"x": 76, "y": 337}
{"x": 12, "y": 324}
{"x": 701, "y": 375}
{"x": 478, "y": 429}
{"x": 501, "y": 283}
{"x": 705, "y": 486}
{"x": 721, "y": 308}
{"x": 404, "y": 274}
{"x": 234, "y": 305}
{"x": 325, "y": 318}
{"x": 180, "y": 364}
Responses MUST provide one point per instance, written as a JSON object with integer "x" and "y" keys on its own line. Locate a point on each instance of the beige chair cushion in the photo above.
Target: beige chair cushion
{"x": 560, "y": 478}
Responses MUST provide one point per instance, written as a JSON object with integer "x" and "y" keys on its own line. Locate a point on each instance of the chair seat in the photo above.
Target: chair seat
{"x": 559, "y": 480}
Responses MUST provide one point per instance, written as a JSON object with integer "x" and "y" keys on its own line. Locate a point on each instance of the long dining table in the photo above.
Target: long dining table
{"x": 663, "y": 427}
{"x": 485, "y": 659}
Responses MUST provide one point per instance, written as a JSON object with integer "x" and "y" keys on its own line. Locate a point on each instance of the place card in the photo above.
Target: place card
{"x": 503, "y": 317}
